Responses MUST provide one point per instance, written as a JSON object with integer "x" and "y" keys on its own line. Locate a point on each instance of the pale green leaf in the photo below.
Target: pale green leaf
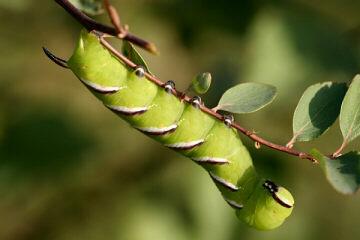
{"x": 350, "y": 111}
{"x": 201, "y": 83}
{"x": 247, "y": 97}
{"x": 130, "y": 52}
{"x": 317, "y": 110}
{"x": 343, "y": 172}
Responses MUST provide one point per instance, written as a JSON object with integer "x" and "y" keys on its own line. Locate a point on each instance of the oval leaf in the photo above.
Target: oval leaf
{"x": 247, "y": 97}
{"x": 201, "y": 83}
{"x": 91, "y": 7}
{"x": 343, "y": 172}
{"x": 317, "y": 110}
{"x": 350, "y": 111}
{"x": 130, "y": 52}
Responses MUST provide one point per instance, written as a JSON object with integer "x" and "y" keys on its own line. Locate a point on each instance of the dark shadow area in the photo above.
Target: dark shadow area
{"x": 191, "y": 17}
{"x": 320, "y": 40}
{"x": 225, "y": 76}
{"x": 350, "y": 164}
{"x": 38, "y": 142}
{"x": 324, "y": 107}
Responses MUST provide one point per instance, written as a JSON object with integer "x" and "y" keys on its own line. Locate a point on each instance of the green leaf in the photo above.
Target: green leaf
{"x": 343, "y": 172}
{"x": 201, "y": 83}
{"x": 130, "y": 52}
{"x": 247, "y": 97}
{"x": 317, "y": 110}
{"x": 91, "y": 7}
{"x": 350, "y": 111}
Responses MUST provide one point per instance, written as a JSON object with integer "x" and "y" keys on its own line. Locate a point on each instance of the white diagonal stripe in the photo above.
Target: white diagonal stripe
{"x": 223, "y": 182}
{"x": 234, "y": 204}
{"x": 155, "y": 130}
{"x": 98, "y": 88}
{"x": 211, "y": 160}
{"x": 183, "y": 145}
{"x": 126, "y": 109}
{"x": 285, "y": 201}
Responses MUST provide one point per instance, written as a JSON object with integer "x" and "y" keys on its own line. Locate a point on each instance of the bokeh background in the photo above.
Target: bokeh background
{"x": 70, "y": 169}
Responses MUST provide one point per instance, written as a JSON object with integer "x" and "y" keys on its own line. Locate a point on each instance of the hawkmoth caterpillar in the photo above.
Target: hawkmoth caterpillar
{"x": 183, "y": 127}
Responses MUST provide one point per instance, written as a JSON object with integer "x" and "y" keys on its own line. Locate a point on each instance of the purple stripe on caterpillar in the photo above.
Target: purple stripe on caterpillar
{"x": 127, "y": 111}
{"x": 157, "y": 131}
{"x": 282, "y": 203}
{"x": 234, "y": 204}
{"x": 211, "y": 160}
{"x": 185, "y": 145}
{"x": 99, "y": 89}
{"x": 223, "y": 182}
{"x": 273, "y": 190}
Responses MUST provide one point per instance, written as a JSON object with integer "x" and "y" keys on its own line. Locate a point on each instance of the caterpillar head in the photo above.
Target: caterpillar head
{"x": 268, "y": 206}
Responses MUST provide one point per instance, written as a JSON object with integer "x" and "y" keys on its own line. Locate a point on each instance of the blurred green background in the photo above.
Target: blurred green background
{"x": 70, "y": 169}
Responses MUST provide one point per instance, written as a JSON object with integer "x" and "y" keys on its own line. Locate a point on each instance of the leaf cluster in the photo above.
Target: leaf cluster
{"x": 317, "y": 110}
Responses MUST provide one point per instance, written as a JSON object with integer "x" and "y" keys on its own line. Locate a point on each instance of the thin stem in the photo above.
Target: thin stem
{"x": 186, "y": 98}
{"x": 90, "y": 24}
{"x": 337, "y": 153}
{"x": 128, "y": 62}
{"x": 187, "y": 90}
{"x": 184, "y": 94}
{"x": 115, "y": 19}
{"x": 215, "y": 109}
{"x": 290, "y": 144}
{"x": 218, "y": 107}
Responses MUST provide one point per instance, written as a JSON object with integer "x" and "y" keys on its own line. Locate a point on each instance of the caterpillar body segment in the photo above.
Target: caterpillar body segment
{"x": 183, "y": 127}
{"x": 263, "y": 212}
{"x": 92, "y": 64}
{"x": 193, "y": 127}
{"x": 132, "y": 91}
{"x": 159, "y": 116}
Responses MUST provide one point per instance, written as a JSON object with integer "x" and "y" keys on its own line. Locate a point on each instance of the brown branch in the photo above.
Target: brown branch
{"x": 90, "y": 24}
{"x": 115, "y": 19}
{"x": 114, "y": 16}
{"x": 186, "y": 98}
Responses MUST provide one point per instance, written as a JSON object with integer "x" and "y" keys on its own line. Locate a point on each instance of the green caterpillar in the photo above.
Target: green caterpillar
{"x": 183, "y": 127}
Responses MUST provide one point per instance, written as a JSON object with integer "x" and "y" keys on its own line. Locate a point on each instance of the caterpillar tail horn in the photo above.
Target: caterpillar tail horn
{"x": 55, "y": 59}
